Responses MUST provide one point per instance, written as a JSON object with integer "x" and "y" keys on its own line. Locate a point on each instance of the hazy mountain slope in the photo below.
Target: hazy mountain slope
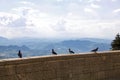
{"x": 78, "y": 46}
{"x": 38, "y": 47}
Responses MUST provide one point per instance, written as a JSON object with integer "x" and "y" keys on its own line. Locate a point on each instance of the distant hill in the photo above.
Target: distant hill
{"x": 13, "y": 47}
{"x": 78, "y": 46}
{"x": 3, "y": 40}
{"x": 97, "y": 40}
{"x": 11, "y": 51}
{"x": 39, "y": 47}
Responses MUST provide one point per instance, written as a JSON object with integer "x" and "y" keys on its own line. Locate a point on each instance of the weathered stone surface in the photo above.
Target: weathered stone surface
{"x": 101, "y": 66}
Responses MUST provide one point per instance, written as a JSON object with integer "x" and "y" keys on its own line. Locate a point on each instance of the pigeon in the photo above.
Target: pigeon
{"x": 19, "y": 54}
{"x": 95, "y": 50}
{"x": 71, "y": 52}
{"x": 53, "y": 52}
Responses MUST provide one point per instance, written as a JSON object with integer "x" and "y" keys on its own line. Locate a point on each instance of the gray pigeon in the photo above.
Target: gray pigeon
{"x": 71, "y": 52}
{"x": 19, "y": 54}
{"x": 95, "y": 50}
{"x": 53, "y": 52}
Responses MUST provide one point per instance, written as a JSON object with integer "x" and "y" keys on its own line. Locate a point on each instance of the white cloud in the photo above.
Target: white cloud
{"x": 27, "y": 3}
{"x": 116, "y": 11}
{"x": 69, "y": 19}
{"x": 20, "y": 22}
{"x": 90, "y": 13}
{"x": 60, "y": 26}
{"x": 113, "y": 0}
{"x": 98, "y": 0}
{"x": 59, "y": 0}
{"x": 6, "y": 18}
{"x": 64, "y": 27}
{"x": 89, "y": 10}
{"x": 94, "y": 5}
{"x": 94, "y": 1}
{"x": 93, "y": 28}
{"x": 80, "y": 0}
{"x": 23, "y": 11}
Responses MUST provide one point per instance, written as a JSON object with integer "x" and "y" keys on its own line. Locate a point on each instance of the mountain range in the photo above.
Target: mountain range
{"x": 39, "y": 47}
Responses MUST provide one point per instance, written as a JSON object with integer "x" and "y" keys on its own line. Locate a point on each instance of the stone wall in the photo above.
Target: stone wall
{"x": 90, "y": 66}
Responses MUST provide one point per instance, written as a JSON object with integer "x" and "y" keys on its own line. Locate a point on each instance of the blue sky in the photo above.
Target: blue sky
{"x": 60, "y": 18}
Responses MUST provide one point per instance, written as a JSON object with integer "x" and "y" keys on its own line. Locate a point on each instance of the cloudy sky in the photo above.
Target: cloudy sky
{"x": 60, "y": 18}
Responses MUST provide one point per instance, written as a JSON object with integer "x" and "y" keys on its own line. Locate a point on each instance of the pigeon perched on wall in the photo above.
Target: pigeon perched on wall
{"x": 53, "y": 52}
{"x": 95, "y": 50}
{"x": 19, "y": 54}
{"x": 71, "y": 52}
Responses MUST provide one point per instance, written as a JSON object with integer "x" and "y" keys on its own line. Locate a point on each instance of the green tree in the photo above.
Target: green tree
{"x": 116, "y": 43}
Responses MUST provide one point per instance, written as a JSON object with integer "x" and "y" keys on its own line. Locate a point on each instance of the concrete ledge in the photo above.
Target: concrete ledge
{"x": 88, "y": 66}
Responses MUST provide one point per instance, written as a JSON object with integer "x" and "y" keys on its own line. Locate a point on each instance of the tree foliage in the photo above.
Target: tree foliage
{"x": 116, "y": 43}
